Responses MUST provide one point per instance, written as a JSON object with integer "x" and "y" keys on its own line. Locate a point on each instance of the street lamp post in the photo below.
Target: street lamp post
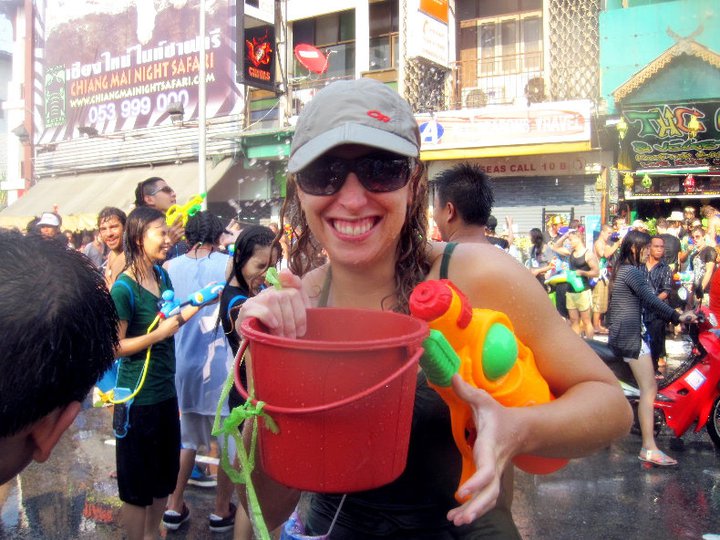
{"x": 202, "y": 121}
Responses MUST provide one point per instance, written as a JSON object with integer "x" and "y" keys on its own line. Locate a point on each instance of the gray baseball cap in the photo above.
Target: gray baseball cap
{"x": 363, "y": 111}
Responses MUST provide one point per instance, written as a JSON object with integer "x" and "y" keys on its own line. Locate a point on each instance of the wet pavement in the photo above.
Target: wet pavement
{"x": 610, "y": 495}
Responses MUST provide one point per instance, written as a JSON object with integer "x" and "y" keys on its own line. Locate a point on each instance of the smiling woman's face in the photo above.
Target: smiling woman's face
{"x": 156, "y": 241}
{"x": 354, "y": 225}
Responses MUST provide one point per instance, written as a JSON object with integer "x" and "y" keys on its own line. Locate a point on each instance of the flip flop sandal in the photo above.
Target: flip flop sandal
{"x": 656, "y": 457}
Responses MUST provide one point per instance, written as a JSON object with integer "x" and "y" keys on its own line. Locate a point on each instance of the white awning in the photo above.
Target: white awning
{"x": 79, "y": 198}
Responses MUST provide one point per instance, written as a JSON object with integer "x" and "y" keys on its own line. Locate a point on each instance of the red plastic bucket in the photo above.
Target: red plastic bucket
{"x": 342, "y": 397}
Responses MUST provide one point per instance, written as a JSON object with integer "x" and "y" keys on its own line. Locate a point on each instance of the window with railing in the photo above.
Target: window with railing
{"x": 500, "y": 53}
{"x": 510, "y": 44}
{"x": 334, "y": 35}
{"x": 384, "y": 25}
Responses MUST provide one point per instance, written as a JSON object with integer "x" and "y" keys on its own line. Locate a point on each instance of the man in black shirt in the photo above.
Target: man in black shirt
{"x": 659, "y": 276}
{"x": 672, "y": 243}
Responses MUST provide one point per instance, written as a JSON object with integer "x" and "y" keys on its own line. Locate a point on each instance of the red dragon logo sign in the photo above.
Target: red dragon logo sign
{"x": 259, "y": 51}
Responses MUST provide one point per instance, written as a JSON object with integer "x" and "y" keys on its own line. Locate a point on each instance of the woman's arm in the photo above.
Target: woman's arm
{"x": 537, "y": 271}
{"x": 585, "y": 388}
{"x": 639, "y": 285}
{"x": 709, "y": 268}
{"x": 165, "y": 329}
{"x": 557, "y": 247}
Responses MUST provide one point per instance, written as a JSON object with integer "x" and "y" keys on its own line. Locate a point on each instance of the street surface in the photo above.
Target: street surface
{"x": 609, "y": 495}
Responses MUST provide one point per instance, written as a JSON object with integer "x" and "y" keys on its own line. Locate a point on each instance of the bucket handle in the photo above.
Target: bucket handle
{"x": 414, "y": 359}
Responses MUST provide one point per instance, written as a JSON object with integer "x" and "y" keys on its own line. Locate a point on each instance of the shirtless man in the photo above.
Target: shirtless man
{"x": 111, "y": 224}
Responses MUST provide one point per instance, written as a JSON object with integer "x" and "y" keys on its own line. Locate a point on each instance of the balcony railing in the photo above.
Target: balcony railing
{"x": 497, "y": 80}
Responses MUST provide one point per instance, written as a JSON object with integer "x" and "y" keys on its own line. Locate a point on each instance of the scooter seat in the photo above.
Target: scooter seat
{"x": 604, "y": 351}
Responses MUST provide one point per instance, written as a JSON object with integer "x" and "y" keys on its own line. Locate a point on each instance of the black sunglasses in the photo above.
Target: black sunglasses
{"x": 380, "y": 173}
{"x": 165, "y": 189}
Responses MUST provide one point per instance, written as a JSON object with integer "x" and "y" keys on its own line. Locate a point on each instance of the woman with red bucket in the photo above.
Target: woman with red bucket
{"x": 358, "y": 189}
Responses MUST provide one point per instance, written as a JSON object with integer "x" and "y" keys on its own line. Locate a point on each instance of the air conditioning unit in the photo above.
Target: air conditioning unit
{"x": 535, "y": 90}
{"x": 474, "y": 98}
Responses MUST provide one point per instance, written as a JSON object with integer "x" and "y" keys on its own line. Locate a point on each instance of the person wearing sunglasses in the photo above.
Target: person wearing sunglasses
{"x": 358, "y": 189}
{"x": 702, "y": 264}
{"x": 154, "y": 192}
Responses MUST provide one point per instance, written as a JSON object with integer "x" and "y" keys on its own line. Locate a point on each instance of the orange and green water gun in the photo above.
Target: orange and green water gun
{"x": 479, "y": 345}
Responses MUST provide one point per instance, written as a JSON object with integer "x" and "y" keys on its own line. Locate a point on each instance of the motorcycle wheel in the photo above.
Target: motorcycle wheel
{"x": 713, "y": 424}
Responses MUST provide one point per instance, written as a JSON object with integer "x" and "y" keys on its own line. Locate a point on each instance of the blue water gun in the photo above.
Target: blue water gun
{"x": 170, "y": 306}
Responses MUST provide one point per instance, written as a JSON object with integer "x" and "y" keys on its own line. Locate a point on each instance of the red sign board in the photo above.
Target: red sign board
{"x": 311, "y": 58}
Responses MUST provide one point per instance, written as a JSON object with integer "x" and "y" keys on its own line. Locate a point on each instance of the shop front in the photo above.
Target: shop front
{"x": 540, "y": 158}
{"x": 670, "y": 157}
{"x": 668, "y": 130}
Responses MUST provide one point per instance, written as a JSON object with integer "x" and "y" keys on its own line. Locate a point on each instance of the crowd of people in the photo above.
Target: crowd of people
{"x": 356, "y": 210}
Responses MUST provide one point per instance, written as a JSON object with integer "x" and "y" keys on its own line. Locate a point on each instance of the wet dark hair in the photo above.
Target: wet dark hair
{"x": 537, "y": 240}
{"x": 491, "y": 223}
{"x": 135, "y": 227}
{"x": 468, "y": 188}
{"x": 59, "y": 328}
{"x": 412, "y": 256}
{"x": 110, "y": 211}
{"x": 626, "y": 254}
{"x": 203, "y": 228}
{"x": 146, "y": 187}
{"x": 246, "y": 243}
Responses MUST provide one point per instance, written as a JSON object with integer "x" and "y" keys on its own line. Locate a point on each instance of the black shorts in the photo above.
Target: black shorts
{"x": 148, "y": 457}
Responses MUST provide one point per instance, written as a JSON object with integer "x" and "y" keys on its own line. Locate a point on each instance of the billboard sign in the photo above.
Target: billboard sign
{"x": 257, "y": 50}
{"x": 431, "y": 40}
{"x": 672, "y": 136}
{"x": 117, "y": 65}
{"x": 498, "y": 125}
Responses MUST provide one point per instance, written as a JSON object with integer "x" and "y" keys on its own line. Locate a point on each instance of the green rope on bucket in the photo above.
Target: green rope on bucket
{"x": 273, "y": 278}
{"x": 231, "y": 428}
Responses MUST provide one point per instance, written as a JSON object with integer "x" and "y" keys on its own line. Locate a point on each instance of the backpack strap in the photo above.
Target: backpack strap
{"x": 161, "y": 273}
{"x": 447, "y": 253}
{"x": 132, "y": 296}
{"x": 234, "y": 300}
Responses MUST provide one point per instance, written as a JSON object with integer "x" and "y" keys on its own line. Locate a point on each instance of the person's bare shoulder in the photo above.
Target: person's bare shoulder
{"x": 485, "y": 273}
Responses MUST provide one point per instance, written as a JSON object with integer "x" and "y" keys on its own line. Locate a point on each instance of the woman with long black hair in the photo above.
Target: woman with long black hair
{"x": 540, "y": 255}
{"x": 148, "y": 427}
{"x": 629, "y": 293}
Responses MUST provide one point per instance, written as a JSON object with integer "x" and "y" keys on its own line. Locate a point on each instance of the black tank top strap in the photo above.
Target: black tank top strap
{"x": 447, "y": 253}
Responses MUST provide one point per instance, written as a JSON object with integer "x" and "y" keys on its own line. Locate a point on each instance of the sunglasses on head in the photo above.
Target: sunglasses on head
{"x": 164, "y": 189}
{"x": 380, "y": 172}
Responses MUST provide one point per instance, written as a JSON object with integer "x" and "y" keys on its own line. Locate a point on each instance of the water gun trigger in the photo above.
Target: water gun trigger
{"x": 440, "y": 362}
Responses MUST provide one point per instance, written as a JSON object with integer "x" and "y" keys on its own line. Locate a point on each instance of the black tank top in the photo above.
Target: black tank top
{"x": 580, "y": 263}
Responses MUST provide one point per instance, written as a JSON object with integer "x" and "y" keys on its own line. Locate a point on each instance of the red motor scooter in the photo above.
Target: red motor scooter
{"x": 690, "y": 394}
